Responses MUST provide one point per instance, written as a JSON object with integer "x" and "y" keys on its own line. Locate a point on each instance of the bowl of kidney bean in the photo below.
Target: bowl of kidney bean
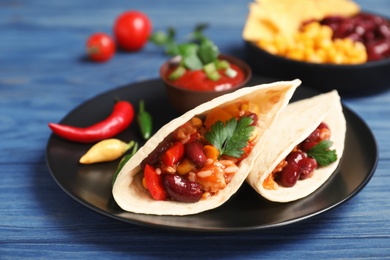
{"x": 350, "y": 54}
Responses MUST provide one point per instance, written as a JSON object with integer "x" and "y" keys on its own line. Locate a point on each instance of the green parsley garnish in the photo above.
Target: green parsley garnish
{"x": 322, "y": 154}
{"x": 232, "y": 137}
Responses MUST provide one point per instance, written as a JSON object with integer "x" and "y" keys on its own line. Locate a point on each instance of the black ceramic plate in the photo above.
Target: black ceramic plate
{"x": 91, "y": 184}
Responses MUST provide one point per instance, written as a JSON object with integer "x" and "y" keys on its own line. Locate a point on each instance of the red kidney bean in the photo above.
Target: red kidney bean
{"x": 370, "y": 17}
{"x": 345, "y": 28}
{"x": 306, "y": 145}
{"x": 323, "y": 125}
{"x": 372, "y": 30}
{"x": 384, "y": 31}
{"x": 378, "y": 49}
{"x": 291, "y": 172}
{"x": 314, "y": 136}
{"x": 354, "y": 36}
{"x": 152, "y": 158}
{"x": 194, "y": 152}
{"x": 307, "y": 166}
{"x": 332, "y": 19}
{"x": 180, "y": 189}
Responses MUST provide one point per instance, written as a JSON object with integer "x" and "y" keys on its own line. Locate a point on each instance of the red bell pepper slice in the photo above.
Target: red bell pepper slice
{"x": 174, "y": 154}
{"x": 154, "y": 183}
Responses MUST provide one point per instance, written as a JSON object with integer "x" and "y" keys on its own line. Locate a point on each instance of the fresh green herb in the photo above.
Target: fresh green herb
{"x": 231, "y": 138}
{"x": 195, "y": 54}
{"x": 208, "y": 51}
{"x": 197, "y": 34}
{"x": 124, "y": 161}
{"x": 323, "y": 155}
{"x": 167, "y": 40}
{"x": 189, "y": 56}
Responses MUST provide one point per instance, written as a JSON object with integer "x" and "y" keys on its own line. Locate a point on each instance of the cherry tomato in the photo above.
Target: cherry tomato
{"x": 132, "y": 30}
{"x": 100, "y": 47}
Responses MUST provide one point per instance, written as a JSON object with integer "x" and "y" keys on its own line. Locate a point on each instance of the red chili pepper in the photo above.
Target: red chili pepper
{"x": 154, "y": 183}
{"x": 120, "y": 118}
{"x": 173, "y": 154}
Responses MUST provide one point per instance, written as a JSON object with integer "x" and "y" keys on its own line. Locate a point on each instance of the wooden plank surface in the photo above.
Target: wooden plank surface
{"x": 44, "y": 75}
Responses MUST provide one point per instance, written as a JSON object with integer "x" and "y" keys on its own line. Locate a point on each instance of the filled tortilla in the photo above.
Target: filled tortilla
{"x": 295, "y": 123}
{"x": 130, "y": 193}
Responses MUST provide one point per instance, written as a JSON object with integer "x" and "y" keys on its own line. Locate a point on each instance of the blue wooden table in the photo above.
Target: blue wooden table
{"x": 44, "y": 75}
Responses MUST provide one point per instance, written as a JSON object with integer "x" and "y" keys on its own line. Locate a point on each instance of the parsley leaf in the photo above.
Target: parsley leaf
{"x": 232, "y": 137}
{"x": 322, "y": 154}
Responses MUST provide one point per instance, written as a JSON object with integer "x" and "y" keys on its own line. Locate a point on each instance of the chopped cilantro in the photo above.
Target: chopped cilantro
{"x": 323, "y": 155}
{"x": 232, "y": 137}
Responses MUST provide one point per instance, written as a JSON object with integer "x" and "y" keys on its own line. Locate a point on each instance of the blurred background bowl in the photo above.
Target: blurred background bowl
{"x": 183, "y": 99}
{"x": 350, "y": 80}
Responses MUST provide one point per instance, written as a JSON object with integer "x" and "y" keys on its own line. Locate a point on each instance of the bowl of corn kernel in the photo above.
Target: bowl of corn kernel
{"x": 329, "y": 44}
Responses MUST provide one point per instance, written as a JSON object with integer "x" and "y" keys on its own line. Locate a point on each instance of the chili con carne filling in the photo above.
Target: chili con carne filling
{"x": 200, "y": 158}
{"x": 303, "y": 160}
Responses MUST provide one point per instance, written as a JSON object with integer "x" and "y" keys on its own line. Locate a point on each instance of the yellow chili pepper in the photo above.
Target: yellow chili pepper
{"x": 105, "y": 151}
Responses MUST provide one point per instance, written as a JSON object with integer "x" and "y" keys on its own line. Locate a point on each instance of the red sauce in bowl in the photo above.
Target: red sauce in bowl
{"x": 198, "y": 80}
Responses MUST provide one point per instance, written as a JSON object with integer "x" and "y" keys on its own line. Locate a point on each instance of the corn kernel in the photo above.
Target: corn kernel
{"x": 244, "y": 106}
{"x": 268, "y": 46}
{"x": 339, "y": 58}
{"x": 280, "y": 43}
{"x": 205, "y": 195}
{"x": 326, "y": 32}
{"x": 253, "y": 135}
{"x": 313, "y": 57}
{"x": 295, "y": 54}
{"x": 233, "y": 109}
{"x": 253, "y": 108}
{"x": 185, "y": 166}
{"x": 196, "y": 121}
{"x": 211, "y": 152}
{"x": 144, "y": 183}
{"x": 321, "y": 54}
{"x": 308, "y": 43}
{"x": 360, "y": 47}
{"x": 311, "y": 29}
{"x": 323, "y": 43}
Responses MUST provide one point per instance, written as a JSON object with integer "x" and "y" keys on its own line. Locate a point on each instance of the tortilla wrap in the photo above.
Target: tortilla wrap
{"x": 296, "y": 122}
{"x": 131, "y": 196}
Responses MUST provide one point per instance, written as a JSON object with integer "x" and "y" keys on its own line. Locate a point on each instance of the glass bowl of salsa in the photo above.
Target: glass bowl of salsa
{"x": 194, "y": 87}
